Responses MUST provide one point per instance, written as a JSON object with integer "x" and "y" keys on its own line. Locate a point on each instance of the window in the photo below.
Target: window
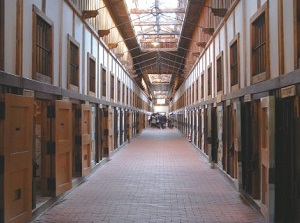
{"x": 92, "y": 74}
{"x": 220, "y": 73}
{"x": 42, "y": 52}
{"x": 193, "y": 93}
{"x": 1, "y": 34}
{"x": 234, "y": 64}
{"x": 297, "y": 39}
{"x": 197, "y": 88}
{"x": 103, "y": 82}
{"x": 127, "y": 98}
{"x": 119, "y": 90}
{"x": 209, "y": 82}
{"x": 123, "y": 93}
{"x": 202, "y": 85}
{"x": 112, "y": 87}
{"x": 259, "y": 57}
{"x": 73, "y": 64}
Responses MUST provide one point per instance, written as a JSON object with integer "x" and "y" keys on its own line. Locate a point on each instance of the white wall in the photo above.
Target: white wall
{"x": 161, "y": 109}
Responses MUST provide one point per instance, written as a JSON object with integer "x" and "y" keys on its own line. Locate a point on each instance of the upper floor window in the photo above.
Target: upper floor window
{"x": 42, "y": 48}
{"x": 202, "y": 85}
{"x": 219, "y": 73}
{"x": 234, "y": 64}
{"x": 197, "y": 88}
{"x": 123, "y": 93}
{"x": 119, "y": 90}
{"x": 92, "y": 74}
{"x": 1, "y": 34}
{"x": 209, "y": 81}
{"x": 112, "y": 86}
{"x": 103, "y": 73}
{"x": 73, "y": 64}
{"x": 259, "y": 46}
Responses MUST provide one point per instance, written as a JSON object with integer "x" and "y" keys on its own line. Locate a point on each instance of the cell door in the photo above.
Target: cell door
{"x": 16, "y": 131}
{"x": 85, "y": 139}
{"x": 220, "y": 134}
{"x": 104, "y": 130}
{"x": 267, "y": 151}
{"x": 236, "y": 136}
{"x": 63, "y": 147}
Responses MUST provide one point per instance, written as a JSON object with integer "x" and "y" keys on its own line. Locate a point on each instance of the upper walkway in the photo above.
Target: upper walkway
{"x": 157, "y": 177}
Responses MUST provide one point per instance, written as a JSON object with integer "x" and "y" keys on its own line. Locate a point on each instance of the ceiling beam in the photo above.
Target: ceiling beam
{"x": 148, "y": 40}
{"x": 146, "y": 11}
{"x": 155, "y": 23}
{"x": 158, "y": 33}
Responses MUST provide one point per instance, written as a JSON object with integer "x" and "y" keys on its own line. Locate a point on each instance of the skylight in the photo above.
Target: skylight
{"x": 157, "y": 23}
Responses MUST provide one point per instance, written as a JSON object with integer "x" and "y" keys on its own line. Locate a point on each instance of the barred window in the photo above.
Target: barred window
{"x": 103, "y": 82}
{"x": 119, "y": 90}
{"x": 197, "y": 89}
{"x": 219, "y": 74}
{"x": 112, "y": 87}
{"x": 209, "y": 82}
{"x": 73, "y": 68}
{"x": 1, "y": 35}
{"x": 127, "y": 96}
{"x": 42, "y": 47}
{"x": 259, "y": 45}
{"x": 92, "y": 75}
{"x": 123, "y": 93}
{"x": 234, "y": 66}
{"x": 202, "y": 85}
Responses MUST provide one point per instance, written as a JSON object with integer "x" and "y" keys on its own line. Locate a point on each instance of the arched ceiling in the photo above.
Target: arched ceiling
{"x": 158, "y": 34}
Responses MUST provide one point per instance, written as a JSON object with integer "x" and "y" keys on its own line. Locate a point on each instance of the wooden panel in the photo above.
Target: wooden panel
{"x": 17, "y": 152}
{"x": 86, "y": 138}
{"x": 267, "y": 109}
{"x": 104, "y": 139}
{"x": 63, "y": 140}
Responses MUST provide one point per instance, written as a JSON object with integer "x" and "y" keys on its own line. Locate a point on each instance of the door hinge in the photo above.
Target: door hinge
{"x": 2, "y": 110}
{"x": 78, "y": 113}
{"x": 51, "y": 183}
{"x": 50, "y": 111}
{"x": 1, "y": 165}
{"x": 50, "y": 148}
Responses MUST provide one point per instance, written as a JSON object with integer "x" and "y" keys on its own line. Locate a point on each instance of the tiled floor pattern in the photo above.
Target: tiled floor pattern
{"x": 158, "y": 177}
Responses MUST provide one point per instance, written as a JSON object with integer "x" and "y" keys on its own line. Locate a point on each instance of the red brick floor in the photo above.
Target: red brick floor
{"x": 158, "y": 177}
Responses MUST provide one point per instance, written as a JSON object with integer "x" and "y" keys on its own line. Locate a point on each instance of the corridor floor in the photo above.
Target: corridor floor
{"x": 157, "y": 177}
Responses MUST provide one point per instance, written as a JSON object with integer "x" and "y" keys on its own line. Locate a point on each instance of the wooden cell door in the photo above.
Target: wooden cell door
{"x": 86, "y": 143}
{"x": 16, "y": 151}
{"x": 214, "y": 135}
{"x": 220, "y": 134}
{"x": 63, "y": 147}
{"x": 267, "y": 151}
{"x": 236, "y": 131}
{"x": 287, "y": 198}
{"x": 104, "y": 130}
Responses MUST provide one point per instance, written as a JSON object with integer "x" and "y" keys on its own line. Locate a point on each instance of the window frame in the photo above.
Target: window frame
{"x": 91, "y": 58}
{"x": 221, "y": 58}
{"x": 71, "y": 86}
{"x": 202, "y": 85}
{"x": 119, "y": 90}
{"x": 209, "y": 81}
{"x": 2, "y": 34}
{"x": 112, "y": 86}
{"x": 35, "y": 75}
{"x": 103, "y": 81}
{"x": 263, "y": 10}
{"x": 235, "y": 40}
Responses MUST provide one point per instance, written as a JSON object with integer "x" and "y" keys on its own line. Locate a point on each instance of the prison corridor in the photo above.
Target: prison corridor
{"x": 158, "y": 177}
